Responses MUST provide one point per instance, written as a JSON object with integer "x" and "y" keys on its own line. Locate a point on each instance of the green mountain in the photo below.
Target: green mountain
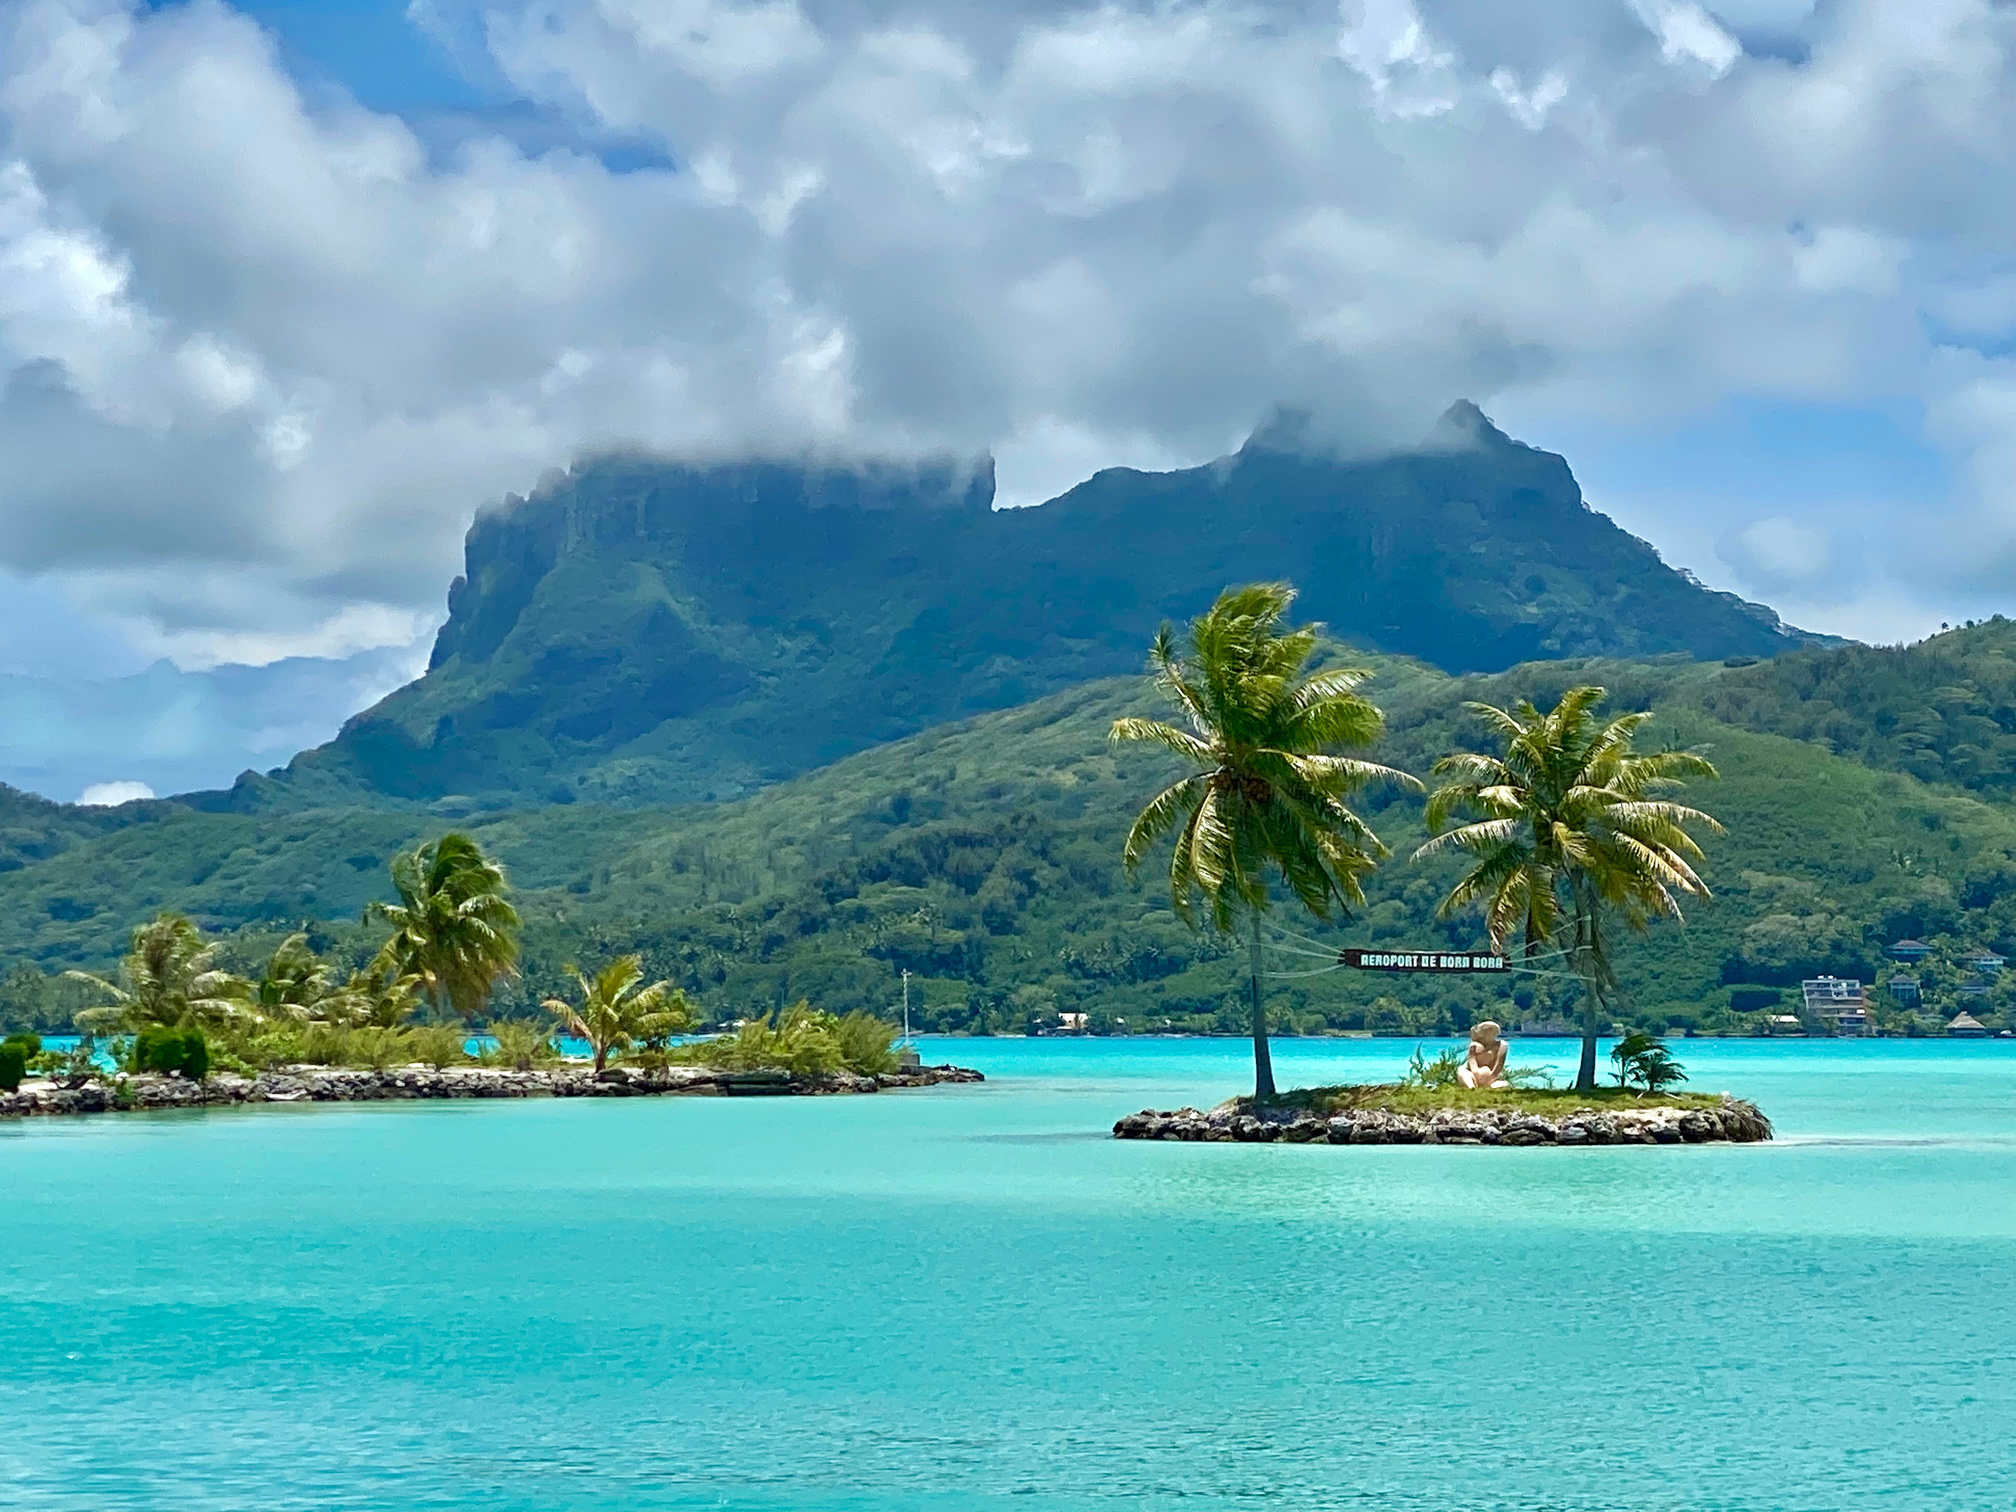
{"x": 644, "y": 632}
{"x": 982, "y": 857}
{"x": 1943, "y": 710}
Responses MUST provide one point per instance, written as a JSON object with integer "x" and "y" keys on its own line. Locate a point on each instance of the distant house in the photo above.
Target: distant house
{"x": 1966, "y": 1026}
{"x": 1906, "y": 990}
{"x": 1972, "y": 989}
{"x": 1986, "y": 962}
{"x": 1783, "y": 1023}
{"x": 1910, "y": 950}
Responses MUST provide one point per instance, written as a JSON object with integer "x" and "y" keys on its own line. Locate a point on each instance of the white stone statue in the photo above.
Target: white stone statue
{"x": 1485, "y": 1064}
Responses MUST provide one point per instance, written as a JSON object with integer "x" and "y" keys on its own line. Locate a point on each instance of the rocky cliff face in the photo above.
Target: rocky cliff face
{"x": 645, "y": 631}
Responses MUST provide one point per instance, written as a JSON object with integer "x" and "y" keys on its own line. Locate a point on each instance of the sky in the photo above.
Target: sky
{"x": 290, "y": 289}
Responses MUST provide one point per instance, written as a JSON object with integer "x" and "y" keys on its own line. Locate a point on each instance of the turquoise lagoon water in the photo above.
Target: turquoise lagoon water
{"x": 970, "y": 1298}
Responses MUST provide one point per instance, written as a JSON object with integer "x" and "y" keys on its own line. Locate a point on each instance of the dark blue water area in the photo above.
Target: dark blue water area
{"x": 969, "y": 1298}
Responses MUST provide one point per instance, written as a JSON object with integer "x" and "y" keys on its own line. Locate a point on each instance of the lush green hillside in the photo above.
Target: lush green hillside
{"x": 1943, "y": 710}
{"x": 982, "y": 857}
{"x": 645, "y": 632}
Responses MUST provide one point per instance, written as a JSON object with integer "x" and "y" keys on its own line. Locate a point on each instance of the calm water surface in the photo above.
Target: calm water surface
{"x": 969, "y": 1298}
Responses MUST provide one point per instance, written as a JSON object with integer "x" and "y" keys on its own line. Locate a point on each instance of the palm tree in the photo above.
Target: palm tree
{"x": 379, "y": 996}
{"x": 1569, "y": 822}
{"x": 169, "y": 979}
{"x": 615, "y": 1012}
{"x": 299, "y": 985}
{"x": 1266, "y": 794}
{"x": 453, "y": 927}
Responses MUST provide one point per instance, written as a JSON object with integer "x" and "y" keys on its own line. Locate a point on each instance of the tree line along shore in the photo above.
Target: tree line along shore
{"x": 175, "y": 1013}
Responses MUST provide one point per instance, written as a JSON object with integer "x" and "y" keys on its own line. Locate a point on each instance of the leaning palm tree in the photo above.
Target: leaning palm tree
{"x": 1266, "y": 794}
{"x": 169, "y": 979}
{"x": 615, "y": 1011}
{"x": 1569, "y": 823}
{"x": 453, "y": 928}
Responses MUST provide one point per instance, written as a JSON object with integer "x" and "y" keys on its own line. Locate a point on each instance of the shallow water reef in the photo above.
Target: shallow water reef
{"x": 417, "y": 1083}
{"x": 1694, "y": 1120}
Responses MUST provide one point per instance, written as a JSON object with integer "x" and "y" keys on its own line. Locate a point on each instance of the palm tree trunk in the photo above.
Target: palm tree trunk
{"x": 1263, "y": 1061}
{"x": 1589, "y": 965}
{"x": 1585, "y": 1072}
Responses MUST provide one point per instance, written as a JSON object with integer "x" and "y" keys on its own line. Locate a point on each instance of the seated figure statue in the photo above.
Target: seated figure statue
{"x": 1485, "y": 1064}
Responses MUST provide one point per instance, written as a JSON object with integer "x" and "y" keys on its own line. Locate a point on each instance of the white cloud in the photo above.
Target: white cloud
{"x": 112, "y": 794}
{"x": 1687, "y": 33}
{"x": 261, "y": 358}
{"x": 1781, "y": 552}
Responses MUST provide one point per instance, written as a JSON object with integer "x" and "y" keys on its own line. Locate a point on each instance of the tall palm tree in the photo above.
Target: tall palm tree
{"x": 169, "y": 979}
{"x": 453, "y": 927}
{"x": 1266, "y": 793}
{"x": 615, "y": 1011}
{"x": 1569, "y": 823}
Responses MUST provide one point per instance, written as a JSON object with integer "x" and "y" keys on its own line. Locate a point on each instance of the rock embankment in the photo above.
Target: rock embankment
{"x": 313, "y": 1084}
{"x": 1734, "y": 1122}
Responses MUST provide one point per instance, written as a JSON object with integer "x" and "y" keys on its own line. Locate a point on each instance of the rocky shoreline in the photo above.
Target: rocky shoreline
{"x": 1734, "y": 1122}
{"x": 323, "y": 1084}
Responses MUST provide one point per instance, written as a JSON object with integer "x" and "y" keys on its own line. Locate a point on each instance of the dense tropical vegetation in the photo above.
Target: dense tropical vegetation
{"x": 454, "y": 937}
{"x": 981, "y": 857}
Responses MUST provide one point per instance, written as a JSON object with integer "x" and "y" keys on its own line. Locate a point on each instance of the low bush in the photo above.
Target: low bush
{"x": 324, "y": 1045}
{"x": 438, "y": 1045}
{"x": 376, "y": 1048}
{"x": 163, "y": 1049}
{"x": 802, "y": 1040}
{"x": 1644, "y": 1058}
{"x": 13, "y": 1066}
{"x": 519, "y": 1045}
{"x": 29, "y": 1044}
{"x": 866, "y": 1043}
{"x": 1439, "y": 1072}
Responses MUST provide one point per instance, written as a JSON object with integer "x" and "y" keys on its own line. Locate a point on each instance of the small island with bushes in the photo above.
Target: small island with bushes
{"x": 1433, "y": 1105}
{"x": 1567, "y": 828}
{"x": 177, "y": 1030}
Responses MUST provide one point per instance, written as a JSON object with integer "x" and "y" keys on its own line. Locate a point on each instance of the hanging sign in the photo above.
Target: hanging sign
{"x": 1446, "y": 961}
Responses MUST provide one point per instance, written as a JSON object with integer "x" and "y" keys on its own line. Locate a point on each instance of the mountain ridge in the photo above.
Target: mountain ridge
{"x": 643, "y": 631}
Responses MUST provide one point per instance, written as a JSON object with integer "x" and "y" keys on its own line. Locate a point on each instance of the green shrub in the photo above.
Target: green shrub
{"x": 439, "y": 1044}
{"x": 1644, "y": 1058}
{"x": 520, "y": 1045}
{"x": 164, "y": 1050}
{"x": 1439, "y": 1072}
{"x": 798, "y": 1039}
{"x": 802, "y": 1040}
{"x": 157, "y": 1049}
{"x": 272, "y": 1045}
{"x": 324, "y": 1045}
{"x": 30, "y": 1044}
{"x": 375, "y": 1047}
{"x": 13, "y": 1066}
{"x": 865, "y": 1043}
